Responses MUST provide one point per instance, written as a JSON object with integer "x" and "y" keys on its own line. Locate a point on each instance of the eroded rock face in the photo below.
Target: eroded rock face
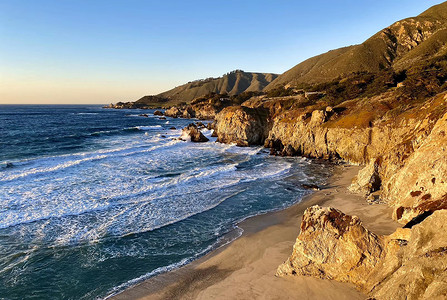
{"x": 410, "y": 263}
{"x": 333, "y": 245}
{"x": 242, "y": 125}
{"x": 404, "y": 150}
{"x": 205, "y": 111}
{"x": 173, "y": 112}
{"x": 421, "y": 184}
{"x": 299, "y": 134}
{"x": 419, "y": 266}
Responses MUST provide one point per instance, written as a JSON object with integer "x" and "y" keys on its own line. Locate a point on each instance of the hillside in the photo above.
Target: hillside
{"x": 398, "y": 46}
{"x": 232, "y": 83}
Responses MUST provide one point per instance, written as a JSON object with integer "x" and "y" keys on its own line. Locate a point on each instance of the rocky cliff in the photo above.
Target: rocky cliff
{"x": 402, "y": 146}
{"x": 408, "y": 264}
{"x": 381, "y": 104}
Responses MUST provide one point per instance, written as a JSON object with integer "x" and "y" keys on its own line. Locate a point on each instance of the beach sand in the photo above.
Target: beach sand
{"x": 245, "y": 268}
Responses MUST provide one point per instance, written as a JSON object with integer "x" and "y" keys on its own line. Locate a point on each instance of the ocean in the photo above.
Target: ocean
{"x": 95, "y": 200}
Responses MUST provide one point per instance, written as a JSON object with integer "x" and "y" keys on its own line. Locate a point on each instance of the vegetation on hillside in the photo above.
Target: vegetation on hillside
{"x": 398, "y": 46}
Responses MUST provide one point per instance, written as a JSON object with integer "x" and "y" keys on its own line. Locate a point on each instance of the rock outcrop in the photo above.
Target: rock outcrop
{"x": 411, "y": 263}
{"x": 405, "y": 155}
{"x": 418, "y": 269}
{"x": 201, "y": 110}
{"x": 173, "y": 112}
{"x": 191, "y": 132}
{"x": 333, "y": 245}
{"x": 421, "y": 184}
{"x": 368, "y": 179}
{"x": 242, "y": 125}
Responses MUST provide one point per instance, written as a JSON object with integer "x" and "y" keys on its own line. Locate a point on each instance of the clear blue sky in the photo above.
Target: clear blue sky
{"x": 65, "y": 51}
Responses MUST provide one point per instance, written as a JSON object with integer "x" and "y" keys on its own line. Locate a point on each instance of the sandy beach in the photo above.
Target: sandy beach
{"x": 245, "y": 269}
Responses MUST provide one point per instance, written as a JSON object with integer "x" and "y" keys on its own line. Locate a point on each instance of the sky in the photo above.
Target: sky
{"x": 98, "y": 52}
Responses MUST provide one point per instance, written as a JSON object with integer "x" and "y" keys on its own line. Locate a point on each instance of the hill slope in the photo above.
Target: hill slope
{"x": 398, "y": 46}
{"x": 232, "y": 83}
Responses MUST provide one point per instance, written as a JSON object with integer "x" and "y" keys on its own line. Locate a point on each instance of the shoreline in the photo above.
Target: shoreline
{"x": 246, "y": 267}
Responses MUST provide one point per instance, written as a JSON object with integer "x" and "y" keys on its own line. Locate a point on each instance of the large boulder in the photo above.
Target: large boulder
{"x": 368, "y": 179}
{"x": 191, "y": 132}
{"x": 333, "y": 245}
{"x": 242, "y": 125}
{"x": 410, "y": 263}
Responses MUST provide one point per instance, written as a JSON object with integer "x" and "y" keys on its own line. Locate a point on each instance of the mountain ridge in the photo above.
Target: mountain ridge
{"x": 392, "y": 47}
{"x": 232, "y": 83}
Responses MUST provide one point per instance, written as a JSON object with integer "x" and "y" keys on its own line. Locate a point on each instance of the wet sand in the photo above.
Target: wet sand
{"x": 245, "y": 269}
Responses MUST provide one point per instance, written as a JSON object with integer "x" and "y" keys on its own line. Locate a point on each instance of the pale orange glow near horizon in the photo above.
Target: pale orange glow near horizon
{"x": 62, "y": 91}
{"x": 73, "y": 53}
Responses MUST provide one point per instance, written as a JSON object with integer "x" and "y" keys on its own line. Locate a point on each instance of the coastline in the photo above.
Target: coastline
{"x": 245, "y": 268}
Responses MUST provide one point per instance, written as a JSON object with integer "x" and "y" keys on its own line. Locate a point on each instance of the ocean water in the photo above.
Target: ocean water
{"x": 95, "y": 200}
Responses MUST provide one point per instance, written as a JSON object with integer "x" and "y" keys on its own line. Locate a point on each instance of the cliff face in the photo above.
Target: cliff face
{"x": 403, "y": 148}
{"x": 417, "y": 270}
{"x": 420, "y": 185}
{"x": 408, "y": 264}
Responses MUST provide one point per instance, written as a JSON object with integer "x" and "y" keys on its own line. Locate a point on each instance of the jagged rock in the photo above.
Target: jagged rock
{"x": 407, "y": 264}
{"x": 143, "y": 115}
{"x": 205, "y": 111}
{"x": 335, "y": 246}
{"x": 172, "y": 128}
{"x": 188, "y": 113}
{"x": 418, "y": 269}
{"x": 214, "y": 134}
{"x": 173, "y": 112}
{"x": 368, "y": 179}
{"x": 193, "y": 133}
{"x": 242, "y": 125}
{"x": 347, "y": 138}
{"x": 158, "y": 113}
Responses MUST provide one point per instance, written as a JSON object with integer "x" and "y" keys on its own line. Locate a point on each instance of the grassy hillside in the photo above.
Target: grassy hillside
{"x": 397, "y": 46}
{"x": 232, "y": 83}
